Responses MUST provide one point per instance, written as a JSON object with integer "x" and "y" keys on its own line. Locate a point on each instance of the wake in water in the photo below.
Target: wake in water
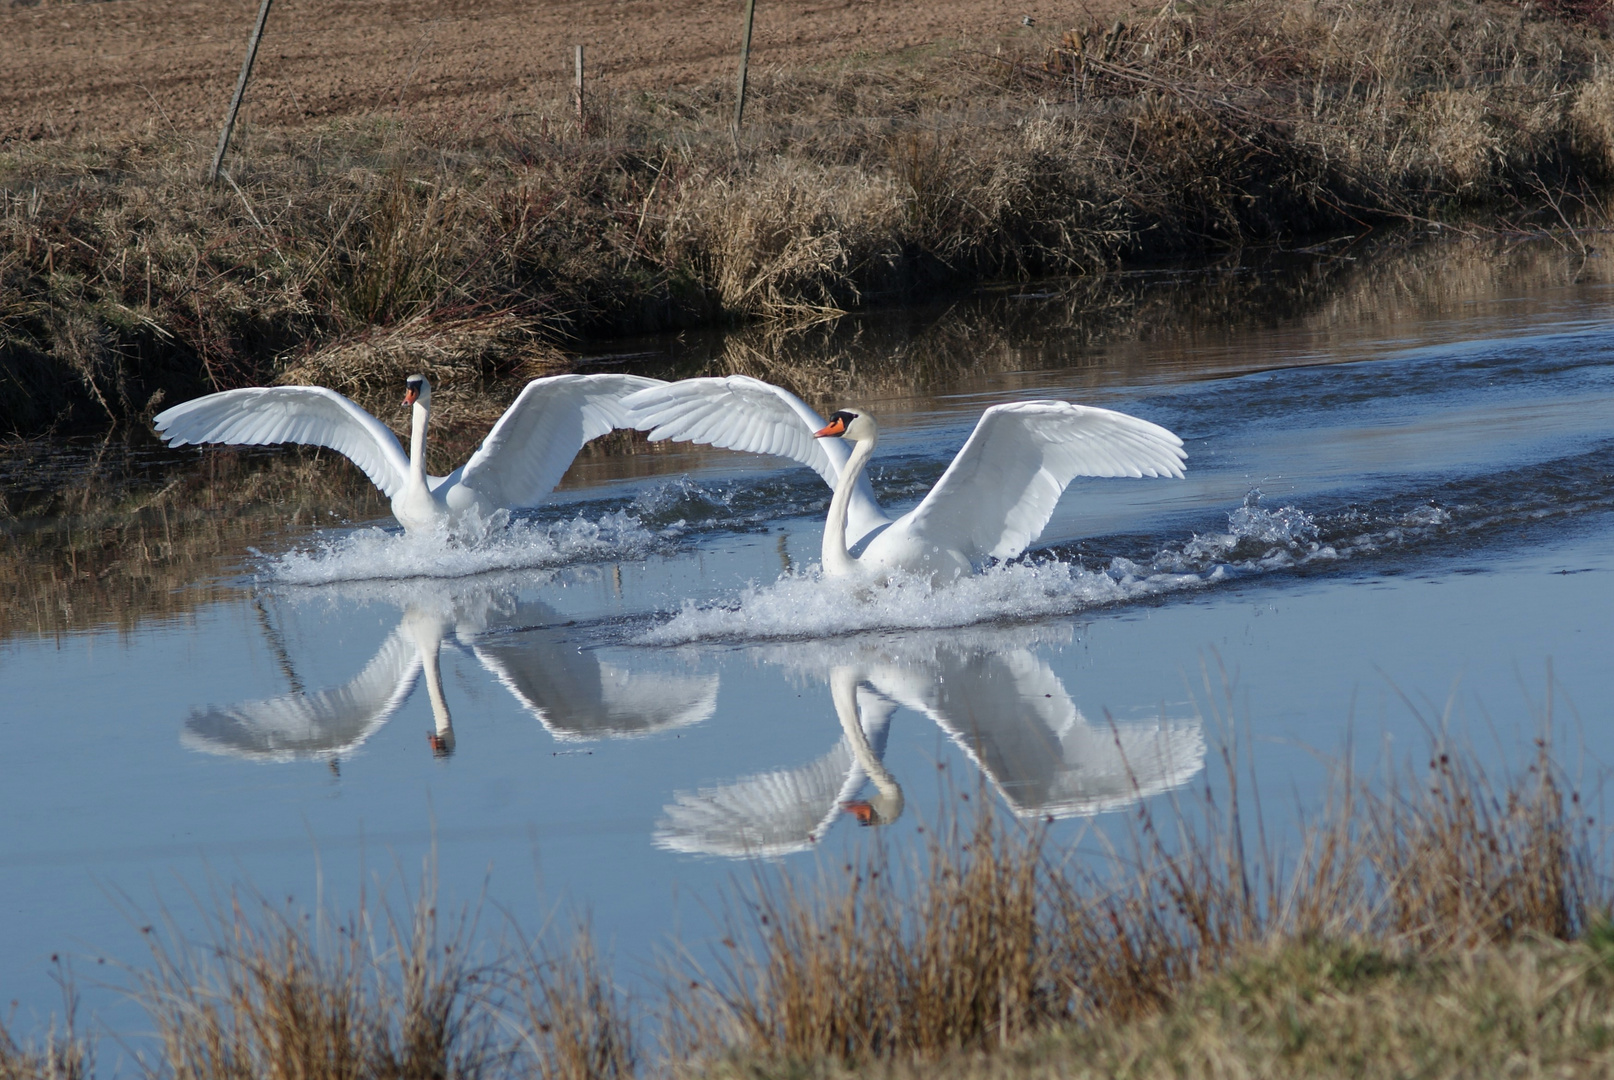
{"x": 807, "y": 605}
{"x": 379, "y": 554}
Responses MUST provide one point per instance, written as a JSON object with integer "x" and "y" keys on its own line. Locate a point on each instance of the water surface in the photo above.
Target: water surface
{"x": 1397, "y": 514}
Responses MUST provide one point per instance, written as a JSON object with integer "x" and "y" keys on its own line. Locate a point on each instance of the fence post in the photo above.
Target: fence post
{"x": 240, "y": 90}
{"x": 577, "y": 90}
{"x": 745, "y": 60}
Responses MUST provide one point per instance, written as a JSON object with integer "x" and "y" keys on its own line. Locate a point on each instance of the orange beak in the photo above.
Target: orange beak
{"x": 834, "y": 427}
{"x": 410, "y": 396}
{"x": 864, "y": 812}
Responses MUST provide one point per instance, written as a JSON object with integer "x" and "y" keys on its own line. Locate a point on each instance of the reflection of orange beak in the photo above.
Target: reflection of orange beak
{"x": 836, "y": 426}
{"x": 863, "y": 811}
{"x": 410, "y": 396}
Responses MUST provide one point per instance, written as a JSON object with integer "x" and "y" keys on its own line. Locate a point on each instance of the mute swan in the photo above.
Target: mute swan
{"x": 519, "y": 462}
{"x": 573, "y": 693}
{"x": 992, "y": 501}
{"x": 999, "y": 702}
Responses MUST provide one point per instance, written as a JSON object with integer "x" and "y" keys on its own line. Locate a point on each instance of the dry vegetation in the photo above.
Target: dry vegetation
{"x": 474, "y": 247}
{"x": 1438, "y": 920}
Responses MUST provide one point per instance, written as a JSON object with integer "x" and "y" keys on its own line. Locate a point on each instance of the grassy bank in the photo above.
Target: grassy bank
{"x": 475, "y": 247}
{"x": 1438, "y": 921}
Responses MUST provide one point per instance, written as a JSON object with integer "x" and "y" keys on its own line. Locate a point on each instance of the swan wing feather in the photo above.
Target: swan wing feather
{"x": 1001, "y": 489}
{"x": 535, "y": 441}
{"x": 738, "y": 412}
{"x": 312, "y": 415}
{"x": 311, "y": 724}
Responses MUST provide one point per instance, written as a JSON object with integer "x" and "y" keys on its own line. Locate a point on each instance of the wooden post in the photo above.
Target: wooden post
{"x": 745, "y": 61}
{"x": 577, "y": 89}
{"x": 240, "y": 89}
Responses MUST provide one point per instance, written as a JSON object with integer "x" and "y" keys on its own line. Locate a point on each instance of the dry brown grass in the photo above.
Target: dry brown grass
{"x": 1323, "y": 1008}
{"x": 478, "y": 243}
{"x": 995, "y": 936}
{"x": 281, "y": 994}
{"x": 274, "y": 992}
{"x": 62, "y": 1054}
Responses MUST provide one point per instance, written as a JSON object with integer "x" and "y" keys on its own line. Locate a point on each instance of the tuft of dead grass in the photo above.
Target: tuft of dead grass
{"x": 64, "y": 1053}
{"x": 284, "y": 994}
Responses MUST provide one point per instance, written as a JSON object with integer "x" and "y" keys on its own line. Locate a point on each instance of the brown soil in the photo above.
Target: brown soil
{"x": 145, "y": 66}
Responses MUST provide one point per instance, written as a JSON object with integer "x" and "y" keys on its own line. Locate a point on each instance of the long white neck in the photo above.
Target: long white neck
{"x": 417, "y": 442}
{"x": 843, "y": 684}
{"x": 426, "y": 628}
{"x": 837, "y": 560}
{"x": 443, "y": 742}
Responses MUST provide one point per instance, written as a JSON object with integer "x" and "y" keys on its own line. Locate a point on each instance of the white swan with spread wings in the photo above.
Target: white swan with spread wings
{"x": 993, "y": 500}
{"x": 520, "y": 461}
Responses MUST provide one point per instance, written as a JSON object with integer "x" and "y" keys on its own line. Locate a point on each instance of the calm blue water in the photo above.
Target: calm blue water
{"x": 1389, "y": 518}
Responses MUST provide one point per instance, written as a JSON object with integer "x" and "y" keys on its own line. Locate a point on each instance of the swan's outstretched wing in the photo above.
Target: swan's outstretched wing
{"x": 769, "y": 814}
{"x": 575, "y": 695}
{"x": 1002, "y": 488}
{"x": 311, "y": 725}
{"x": 777, "y": 812}
{"x": 260, "y": 415}
{"x": 742, "y": 413}
{"x": 534, "y": 442}
{"x": 1012, "y": 717}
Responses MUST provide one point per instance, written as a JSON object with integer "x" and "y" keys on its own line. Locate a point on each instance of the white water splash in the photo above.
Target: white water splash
{"x": 371, "y": 554}
{"x": 809, "y": 605}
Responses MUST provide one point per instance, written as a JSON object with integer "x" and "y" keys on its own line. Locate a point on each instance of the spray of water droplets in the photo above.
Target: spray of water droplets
{"x": 374, "y": 553}
{"x": 802, "y": 605}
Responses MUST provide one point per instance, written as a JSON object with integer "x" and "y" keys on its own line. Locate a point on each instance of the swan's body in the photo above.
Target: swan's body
{"x": 520, "y": 461}
{"x": 992, "y": 501}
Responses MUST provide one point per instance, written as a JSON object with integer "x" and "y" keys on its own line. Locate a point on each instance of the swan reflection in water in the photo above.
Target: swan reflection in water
{"x": 573, "y": 692}
{"x": 995, "y": 699}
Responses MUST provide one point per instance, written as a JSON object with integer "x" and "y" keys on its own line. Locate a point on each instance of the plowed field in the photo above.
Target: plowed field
{"x": 133, "y": 66}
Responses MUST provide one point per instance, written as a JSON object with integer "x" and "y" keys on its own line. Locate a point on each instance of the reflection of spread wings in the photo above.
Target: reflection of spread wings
{"x": 773, "y": 813}
{"x": 1010, "y": 714}
{"x": 321, "y": 724}
{"x": 576, "y": 695}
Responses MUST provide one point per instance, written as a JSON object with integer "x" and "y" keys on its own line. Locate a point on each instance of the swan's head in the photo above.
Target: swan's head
{"x": 848, "y": 424}
{"x": 883, "y": 809}
{"x": 417, "y": 389}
